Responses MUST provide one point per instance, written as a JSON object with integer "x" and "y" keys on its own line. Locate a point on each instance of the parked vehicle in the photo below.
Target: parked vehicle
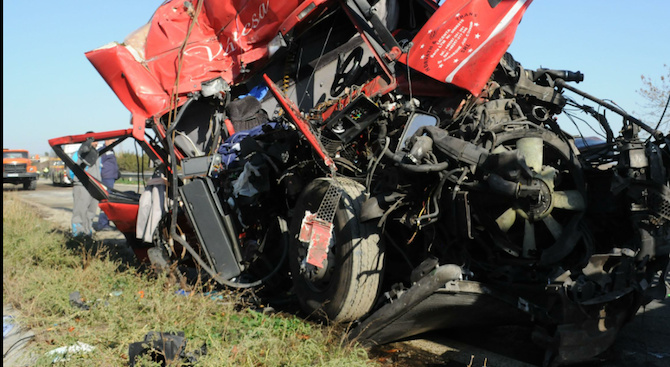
{"x": 59, "y": 173}
{"x": 407, "y": 174}
{"x": 17, "y": 169}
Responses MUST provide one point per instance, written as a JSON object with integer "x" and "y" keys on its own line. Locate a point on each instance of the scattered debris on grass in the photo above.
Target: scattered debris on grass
{"x": 63, "y": 353}
{"x": 42, "y": 267}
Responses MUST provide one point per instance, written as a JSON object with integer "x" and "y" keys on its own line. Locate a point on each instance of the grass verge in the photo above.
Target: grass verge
{"x": 126, "y": 181}
{"x": 42, "y": 266}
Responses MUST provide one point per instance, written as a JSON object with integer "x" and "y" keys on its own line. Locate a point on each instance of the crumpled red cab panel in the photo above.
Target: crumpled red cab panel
{"x": 464, "y": 40}
{"x": 135, "y": 86}
{"x": 227, "y": 37}
{"x": 460, "y": 44}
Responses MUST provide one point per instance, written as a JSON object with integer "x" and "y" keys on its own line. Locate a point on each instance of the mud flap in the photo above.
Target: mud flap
{"x": 316, "y": 229}
{"x": 440, "y": 300}
{"x": 317, "y": 232}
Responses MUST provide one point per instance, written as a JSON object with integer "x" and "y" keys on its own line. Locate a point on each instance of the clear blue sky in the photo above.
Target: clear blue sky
{"x": 50, "y": 89}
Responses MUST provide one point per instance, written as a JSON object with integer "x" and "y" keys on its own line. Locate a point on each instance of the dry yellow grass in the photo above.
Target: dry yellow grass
{"x": 42, "y": 266}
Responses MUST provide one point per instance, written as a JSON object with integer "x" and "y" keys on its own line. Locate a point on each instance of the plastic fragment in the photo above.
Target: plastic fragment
{"x": 7, "y": 325}
{"x": 62, "y": 353}
{"x": 182, "y": 292}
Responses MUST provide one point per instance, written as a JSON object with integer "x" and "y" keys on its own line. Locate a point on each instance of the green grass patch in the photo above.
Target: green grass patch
{"x": 127, "y": 181}
{"x": 42, "y": 266}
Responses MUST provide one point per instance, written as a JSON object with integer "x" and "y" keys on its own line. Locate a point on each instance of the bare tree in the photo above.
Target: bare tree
{"x": 656, "y": 94}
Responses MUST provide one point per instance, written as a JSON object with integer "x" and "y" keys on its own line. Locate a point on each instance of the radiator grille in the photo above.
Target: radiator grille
{"x": 659, "y": 203}
{"x": 14, "y": 168}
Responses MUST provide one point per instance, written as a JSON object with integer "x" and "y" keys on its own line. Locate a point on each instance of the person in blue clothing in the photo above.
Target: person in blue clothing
{"x": 109, "y": 171}
{"x": 84, "y": 205}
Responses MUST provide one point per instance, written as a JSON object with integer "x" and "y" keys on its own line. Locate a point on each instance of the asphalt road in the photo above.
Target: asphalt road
{"x": 56, "y": 201}
{"x": 643, "y": 342}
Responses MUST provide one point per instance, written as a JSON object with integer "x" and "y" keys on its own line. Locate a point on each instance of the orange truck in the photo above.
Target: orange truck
{"x": 17, "y": 169}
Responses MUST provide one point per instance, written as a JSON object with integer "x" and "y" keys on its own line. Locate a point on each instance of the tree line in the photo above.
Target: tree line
{"x": 129, "y": 161}
{"x": 656, "y": 94}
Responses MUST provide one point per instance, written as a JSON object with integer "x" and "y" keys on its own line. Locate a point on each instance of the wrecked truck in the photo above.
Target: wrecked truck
{"x": 390, "y": 165}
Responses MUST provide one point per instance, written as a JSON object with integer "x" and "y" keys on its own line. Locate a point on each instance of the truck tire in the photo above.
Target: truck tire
{"x": 347, "y": 287}
{"x": 30, "y": 185}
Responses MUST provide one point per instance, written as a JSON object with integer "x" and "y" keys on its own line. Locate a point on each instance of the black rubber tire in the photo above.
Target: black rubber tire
{"x": 358, "y": 253}
{"x": 30, "y": 185}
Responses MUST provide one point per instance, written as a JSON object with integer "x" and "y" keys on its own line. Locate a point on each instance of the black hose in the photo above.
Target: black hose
{"x": 437, "y": 197}
{"x": 662, "y": 115}
{"x": 436, "y": 213}
{"x": 11, "y": 348}
{"x": 422, "y": 168}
